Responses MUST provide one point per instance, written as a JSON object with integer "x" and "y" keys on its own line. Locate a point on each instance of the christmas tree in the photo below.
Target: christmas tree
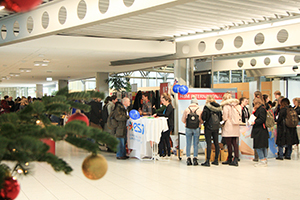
{"x": 21, "y": 133}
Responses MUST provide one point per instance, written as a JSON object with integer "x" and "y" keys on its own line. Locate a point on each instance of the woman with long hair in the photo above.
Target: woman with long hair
{"x": 260, "y": 132}
{"x": 231, "y": 128}
{"x": 165, "y": 136}
{"x": 211, "y": 115}
{"x": 286, "y": 136}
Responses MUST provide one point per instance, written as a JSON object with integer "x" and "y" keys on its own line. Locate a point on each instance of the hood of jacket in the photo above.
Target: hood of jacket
{"x": 231, "y": 102}
{"x": 213, "y": 106}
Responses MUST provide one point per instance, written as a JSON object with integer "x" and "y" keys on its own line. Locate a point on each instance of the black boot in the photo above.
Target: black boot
{"x": 189, "y": 161}
{"x": 195, "y": 161}
{"x": 234, "y": 162}
{"x": 216, "y": 162}
{"x": 229, "y": 160}
{"x": 206, "y": 163}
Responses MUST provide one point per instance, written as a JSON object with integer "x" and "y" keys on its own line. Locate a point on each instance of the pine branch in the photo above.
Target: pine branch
{"x": 95, "y": 94}
{"x": 80, "y": 106}
{"x": 76, "y": 127}
{"x": 56, "y": 163}
{"x": 54, "y": 132}
{"x": 64, "y": 91}
{"x": 83, "y": 143}
{"x": 103, "y": 137}
{"x": 78, "y": 96}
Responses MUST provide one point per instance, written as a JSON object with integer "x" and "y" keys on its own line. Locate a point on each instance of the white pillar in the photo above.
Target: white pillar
{"x": 39, "y": 90}
{"x": 62, "y": 84}
{"x": 101, "y": 84}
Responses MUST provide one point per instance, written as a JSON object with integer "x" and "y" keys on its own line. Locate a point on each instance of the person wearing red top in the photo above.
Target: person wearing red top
{"x": 4, "y": 105}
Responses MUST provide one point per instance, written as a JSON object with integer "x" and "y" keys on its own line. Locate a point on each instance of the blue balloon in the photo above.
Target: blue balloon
{"x": 183, "y": 89}
{"x": 134, "y": 114}
{"x": 176, "y": 88}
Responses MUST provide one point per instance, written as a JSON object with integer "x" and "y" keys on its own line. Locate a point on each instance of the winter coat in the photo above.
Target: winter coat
{"x": 110, "y": 107}
{"x": 95, "y": 113}
{"x": 206, "y": 114}
{"x": 187, "y": 111}
{"x": 260, "y": 133}
{"x": 121, "y": 115}
{"x": 285, "y": 135}
{"x": 230, "y": 129}
{"x": 169, "y": 113}
{"x": 298, "y": 112}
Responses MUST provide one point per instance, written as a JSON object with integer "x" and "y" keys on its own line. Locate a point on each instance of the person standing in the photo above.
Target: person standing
{"x": 231, "y": 128}
{"x": 4, "y": 105}
{"x": 192, "y": 119}
{"x": 95, "y": 113}
{"x": 245, "y": 112}
{"x": 211, "y": 115}
{"x": 285, "y": 135}
{"x": 146, "y": 110}
{"x": 165, "y": 136}
{"x": 121, "y": 116}
{"x": 260, "y": 132}
{"x": 296, "y": 102}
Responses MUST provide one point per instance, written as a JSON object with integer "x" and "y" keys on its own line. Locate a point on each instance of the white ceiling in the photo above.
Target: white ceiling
{"x": 80, "y": 53}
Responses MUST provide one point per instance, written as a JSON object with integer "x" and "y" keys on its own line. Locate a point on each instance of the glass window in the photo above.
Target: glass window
{"x": 216, "y": 77}
{"x": 247, "y": 79}
{"x": 224, "y": 77}
{"x": 236, "y": 76}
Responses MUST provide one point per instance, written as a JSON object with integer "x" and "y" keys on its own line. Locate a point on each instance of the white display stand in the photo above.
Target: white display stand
{"x": 144, "y": 135}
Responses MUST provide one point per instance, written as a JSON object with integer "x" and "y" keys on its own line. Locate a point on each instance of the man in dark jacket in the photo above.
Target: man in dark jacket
{"x": 121, "y": 115}
{"x": 95, "y": 113}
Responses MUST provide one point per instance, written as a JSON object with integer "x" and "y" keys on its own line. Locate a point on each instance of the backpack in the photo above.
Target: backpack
{"x": 270, "y": 122}
{"x": 104, "y": 114}
{"x": 112, "y": 123}
{"x": 213, "y": 122}
{"x": 192, "y": 120}
{"x": 235, "y": 116}
{"x": 291, "y": 119}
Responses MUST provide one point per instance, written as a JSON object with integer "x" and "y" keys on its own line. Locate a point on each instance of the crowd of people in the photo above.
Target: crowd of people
{"x": 8, "y": 105}
{"x": 230, "y": 114}
{"x": 226, "y": 116}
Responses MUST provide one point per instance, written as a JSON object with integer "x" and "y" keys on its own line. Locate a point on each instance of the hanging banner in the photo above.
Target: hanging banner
{"x": 164, "y": 88}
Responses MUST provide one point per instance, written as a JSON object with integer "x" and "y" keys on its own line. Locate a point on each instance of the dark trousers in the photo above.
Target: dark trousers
{"x": 214, "y": 134}
{"x": 164, "y": 143}
{"x": 232, "y": 141}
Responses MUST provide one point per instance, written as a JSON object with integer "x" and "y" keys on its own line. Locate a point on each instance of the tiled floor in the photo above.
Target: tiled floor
{"x": 135, "y": 179}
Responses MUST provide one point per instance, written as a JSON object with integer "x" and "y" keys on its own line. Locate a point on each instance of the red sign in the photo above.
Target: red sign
{"x": 164, "y": 88}
{"x": 203, "y": 95}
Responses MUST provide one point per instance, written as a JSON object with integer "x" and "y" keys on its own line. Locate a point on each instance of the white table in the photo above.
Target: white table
{"x": 142, "y": 133}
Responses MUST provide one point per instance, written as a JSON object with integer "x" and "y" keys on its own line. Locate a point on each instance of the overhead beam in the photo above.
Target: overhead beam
{"x": 60, "y": 16}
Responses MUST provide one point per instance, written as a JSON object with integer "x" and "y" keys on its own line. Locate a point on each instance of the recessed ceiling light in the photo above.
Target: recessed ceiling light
{"x": 14, "y": 74}
{"x": 3, "y": 77}
{"x": 48, "y": 79}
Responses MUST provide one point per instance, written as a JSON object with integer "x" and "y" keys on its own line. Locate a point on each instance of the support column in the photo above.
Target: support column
{"x": 62, "y": 84}
{"x": 101, "y": 84}
{"x": 39, "y": 90}
{"x": 180, "y": 74}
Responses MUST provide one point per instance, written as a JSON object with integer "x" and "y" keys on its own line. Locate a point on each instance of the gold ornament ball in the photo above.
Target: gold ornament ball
{"x": 94, "y": 167}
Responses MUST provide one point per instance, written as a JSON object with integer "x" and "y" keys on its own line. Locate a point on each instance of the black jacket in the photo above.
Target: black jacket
{"x": 298, "y": 112}
{"x": 245, "y": 114}
{"x": 121, "y": 115}
{"x": 260, "y": 133}
{"x": 169, "y": 113}
{"x": 95, "y": 113}
{"x": 211, "y": 107}
{"x": 137, "y": 101}
{"x": 285, "y": 135}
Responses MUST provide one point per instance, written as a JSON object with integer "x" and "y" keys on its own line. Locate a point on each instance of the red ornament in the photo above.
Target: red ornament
{"x": 80, "y": 117}
{"x": 11, "y": 189}
{"x": 20, "y": 5}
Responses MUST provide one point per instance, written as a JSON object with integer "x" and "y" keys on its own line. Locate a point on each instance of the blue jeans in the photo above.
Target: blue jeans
{"x": 121, "y": 150}
{"x": 262, "y": 153}
{"x": 288, "y": 151}
{"x": 192, "y": 133}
